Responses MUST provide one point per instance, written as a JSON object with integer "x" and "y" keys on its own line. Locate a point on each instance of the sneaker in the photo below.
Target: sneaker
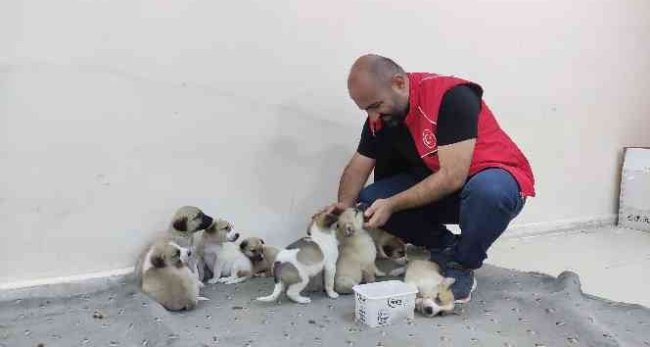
{"x": 465, "y": 283}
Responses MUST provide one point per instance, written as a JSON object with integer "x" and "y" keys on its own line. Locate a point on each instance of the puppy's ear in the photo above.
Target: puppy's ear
{"x": 337, "y": 211}
{"x": 243, "y": 245}
{"x": 180, "y": 224}
{"x": 329, "y": 219}
{"x": 448, "y": 281}
{"x": 158, "y": 261}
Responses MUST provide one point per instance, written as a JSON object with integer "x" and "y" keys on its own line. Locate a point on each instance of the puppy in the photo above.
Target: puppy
{"x": 357, "y": 253}
{"x": 389, "y": 246}
{"x": 167, "y": 279}
{"x": 434, "y": 294}
{"x": 185, "y": 222}
{"x": 306, "y": 258}
{"x": 261, "y": 255}
{"x": 222, "y": 256}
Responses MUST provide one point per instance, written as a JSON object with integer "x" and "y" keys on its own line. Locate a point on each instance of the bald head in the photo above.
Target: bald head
{"x": 374, "y": 68}
{"x": 380, "y": 87}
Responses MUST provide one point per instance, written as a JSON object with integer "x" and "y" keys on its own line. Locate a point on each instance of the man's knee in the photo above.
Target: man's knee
{"x": 368, "y": 195}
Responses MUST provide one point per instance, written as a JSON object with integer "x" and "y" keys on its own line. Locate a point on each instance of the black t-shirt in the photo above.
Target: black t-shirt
{"x": 393, "y": 147}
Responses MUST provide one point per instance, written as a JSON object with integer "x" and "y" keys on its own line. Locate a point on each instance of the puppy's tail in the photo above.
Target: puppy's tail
{"x": 279, "y": 287}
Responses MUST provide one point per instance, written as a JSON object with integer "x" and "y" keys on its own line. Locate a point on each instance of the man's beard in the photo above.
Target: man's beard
{"x": 394, "y": 119}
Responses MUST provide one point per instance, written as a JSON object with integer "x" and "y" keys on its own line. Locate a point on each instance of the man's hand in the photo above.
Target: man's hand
{"x": 379, "y": 213}
{"x": 335, "y": 208}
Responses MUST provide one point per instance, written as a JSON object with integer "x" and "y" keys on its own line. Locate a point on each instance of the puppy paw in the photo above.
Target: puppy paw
{"x": 301, "y": 299}
{"x": 214, "y": 280}
{"x": 265, "y": 298}
{"x": 333, "y": 294}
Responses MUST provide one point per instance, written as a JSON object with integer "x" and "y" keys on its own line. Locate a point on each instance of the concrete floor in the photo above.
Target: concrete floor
{"x": 510, "y": 308}
{"x": 613, "y": 263}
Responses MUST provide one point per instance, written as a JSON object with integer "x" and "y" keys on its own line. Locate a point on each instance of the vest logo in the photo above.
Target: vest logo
{"x": 429, "y": 139}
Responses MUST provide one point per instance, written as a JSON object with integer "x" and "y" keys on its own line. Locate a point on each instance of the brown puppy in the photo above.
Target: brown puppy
{"x": 261, "y": 255}
{"x": 389, "y": 246}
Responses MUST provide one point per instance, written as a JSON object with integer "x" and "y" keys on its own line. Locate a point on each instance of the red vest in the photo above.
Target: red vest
{"x": 493, "y": 149}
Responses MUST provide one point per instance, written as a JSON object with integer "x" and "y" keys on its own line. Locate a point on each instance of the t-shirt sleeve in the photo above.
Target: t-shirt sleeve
{"x": 367, "y": 143}
{"x": 458, "y": 115}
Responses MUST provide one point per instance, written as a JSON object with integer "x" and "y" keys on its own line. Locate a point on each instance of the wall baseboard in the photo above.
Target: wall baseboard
{"x": 93, "y": 282}
{"x": 64, "y": 286}
{"x": 577, "y": 224}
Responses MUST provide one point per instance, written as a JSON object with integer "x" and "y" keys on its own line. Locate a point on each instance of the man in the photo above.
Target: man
{"x": 439, "y": 157}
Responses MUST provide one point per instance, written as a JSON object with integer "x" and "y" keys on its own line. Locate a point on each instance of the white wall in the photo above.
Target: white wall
{"x": 114, "y": 113}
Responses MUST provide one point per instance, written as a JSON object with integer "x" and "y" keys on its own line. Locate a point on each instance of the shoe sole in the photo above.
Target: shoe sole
{"x": 469, "y": 297}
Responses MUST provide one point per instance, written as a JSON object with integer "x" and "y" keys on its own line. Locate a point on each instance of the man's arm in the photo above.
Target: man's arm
{"x": 353, "y": 179}
{"x": 455, "y": 160}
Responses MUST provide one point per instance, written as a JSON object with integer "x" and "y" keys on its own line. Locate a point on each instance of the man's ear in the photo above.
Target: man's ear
{"x": 398, "y": 82}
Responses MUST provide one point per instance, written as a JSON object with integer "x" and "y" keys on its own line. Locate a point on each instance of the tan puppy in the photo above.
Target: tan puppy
{"x": 357, "y": 253}
{"x": 306, "y": 258}
{"x": 167, "y": 278}
{"x": 434, "y": 294}
{"x": 185, "y": 223}
{"x": 261, "y": 255}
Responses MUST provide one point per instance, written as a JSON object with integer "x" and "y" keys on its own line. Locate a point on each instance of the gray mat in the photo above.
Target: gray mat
{"x": 510, "y": 308}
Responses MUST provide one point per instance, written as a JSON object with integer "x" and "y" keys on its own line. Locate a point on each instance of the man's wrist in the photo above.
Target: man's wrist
{"x": 395, "y": 203}
{"x": 346, "y": 203}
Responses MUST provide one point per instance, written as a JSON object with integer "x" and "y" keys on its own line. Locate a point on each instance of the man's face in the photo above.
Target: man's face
{"x": 388, "y": 102}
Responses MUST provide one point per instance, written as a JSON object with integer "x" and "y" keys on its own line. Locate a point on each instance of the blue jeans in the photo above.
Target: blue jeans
{"x": 483, "y": 208}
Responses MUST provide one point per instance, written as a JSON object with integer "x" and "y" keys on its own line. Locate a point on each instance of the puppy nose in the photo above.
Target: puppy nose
{"x": 189, "y": 253}
{"x": 428, "y": 310}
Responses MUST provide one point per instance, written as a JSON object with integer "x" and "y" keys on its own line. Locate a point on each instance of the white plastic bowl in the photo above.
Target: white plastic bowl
{"x": 381, "y": 303}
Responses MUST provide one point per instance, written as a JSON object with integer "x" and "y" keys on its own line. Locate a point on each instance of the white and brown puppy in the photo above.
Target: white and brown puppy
{"x": 261, "y": 255}
{"x": 306, "y": 258}
{"x": 357, "y": 253}
{"x": 434, "y": 294}
{"x": 217, "y": 250}
{"x": 167, "y": 279}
